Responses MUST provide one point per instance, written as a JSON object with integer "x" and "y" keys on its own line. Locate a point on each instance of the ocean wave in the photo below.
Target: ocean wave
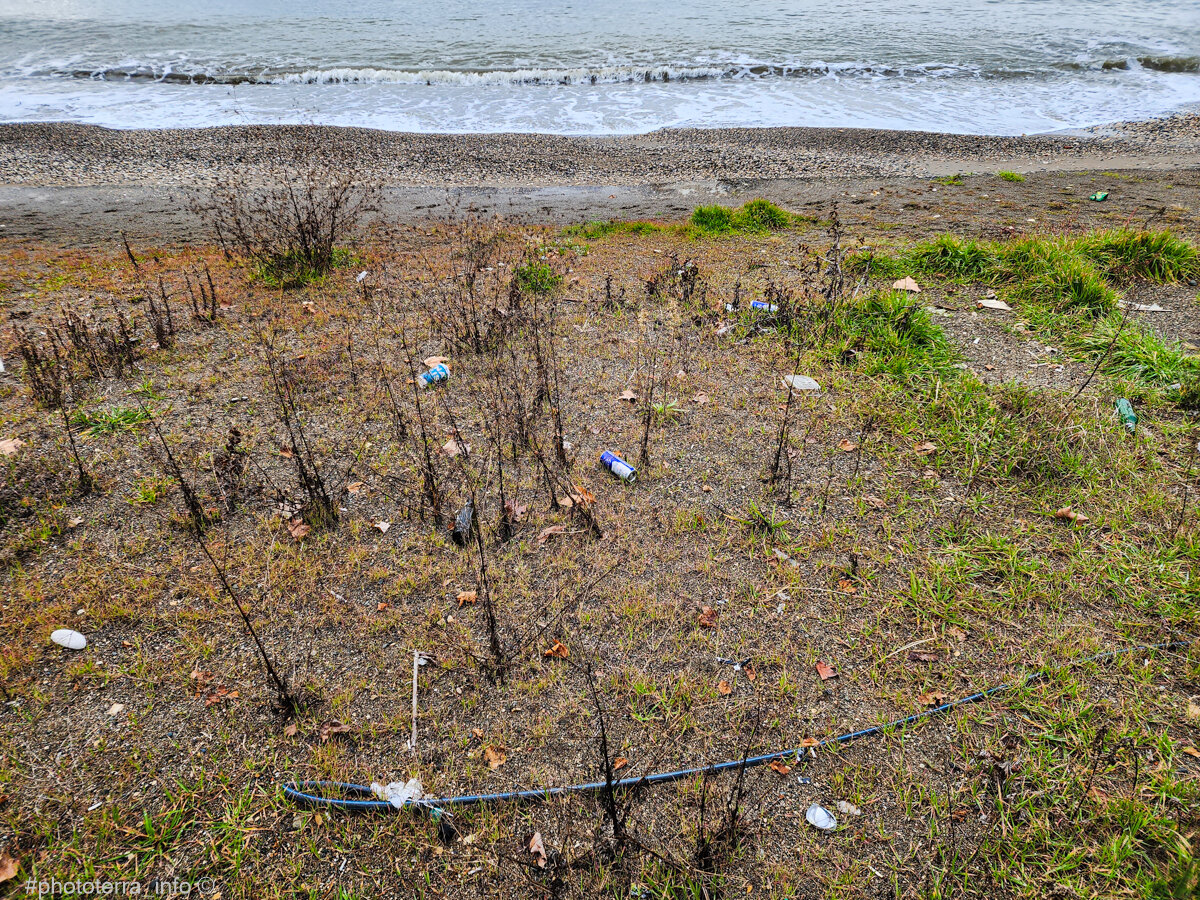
{"x": 583, "y": 75}
{"x": 599, "y": 75}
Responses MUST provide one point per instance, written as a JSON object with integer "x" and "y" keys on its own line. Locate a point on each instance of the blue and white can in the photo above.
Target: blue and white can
{"x": 434, "y": 375}
{"x": 763, "y": 305}
{"x": 618, "y": 466}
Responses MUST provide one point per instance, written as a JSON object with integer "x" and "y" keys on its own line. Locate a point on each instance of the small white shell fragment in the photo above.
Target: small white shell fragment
{"x": 819, "y": 817}
{"x": 116, "y": 709}
{"x": 66, "y": 637}
{"x": 846, "y": 808}
{"x": 801, "y": 383}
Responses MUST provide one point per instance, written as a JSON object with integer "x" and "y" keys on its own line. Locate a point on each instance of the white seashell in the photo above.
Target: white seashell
{"x": 66, "y": 637}
{"x": 819, "y": 817}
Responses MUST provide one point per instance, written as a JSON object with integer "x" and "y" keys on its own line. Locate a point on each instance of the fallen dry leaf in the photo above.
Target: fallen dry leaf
{"x": 957, "y": 633}
{"x": 925, "y": 448}
{"x": 298, "y": 529}
{"x": 724, "y": 688}
{"x": 700, "y": 399}
{"x": 494, "y": 756}
{"x": 706, "y": 489}
{"x": 74, "y": 522}
{"x": 1191, "y": 751}
{"x": 846, "y": 587}
{"x": 707, "y": 618}
{"x": 332, "y": 729}
{"x": 8, "y": 867}
{"x": 546, "y": 533}
{"x": 382, "y": 526}
{"x": 628, "y": 397}
{"x": 454, "y": 447}
{"x": 290, "y": 729}
{"x": 619, "y": 763}
{"x": 906, "y": 284}
{"x": 381, "y": 606}
{"x": 116, "y": 709}
{"x": 538, "y": 849}
{"x": 1069, "y": 514}
{"x": 515, "y": 511}
{"x": 431, "y": 361}
{"x": 931, "y": 698}
{"x": 558, "y": 649}
{"x": 826, "y": 671}
{"x": 1193, "y": 711}
{"x": 922, "y": 656}
{"x": 873, "y": 501}
{"x": 9, "y": 446}
{"x": 847, "y": 446}
{"x": 583, "y": 495}
{"x": 750, "y": 673}
{"x": 810, "y": 742}
{"x": 354, "y": 487}
{"x": 466, "y": 597}
{"x": 778, "y": 765}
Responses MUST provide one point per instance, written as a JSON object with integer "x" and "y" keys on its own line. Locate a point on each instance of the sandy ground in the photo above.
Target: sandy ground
{"x": 80, "y": 185}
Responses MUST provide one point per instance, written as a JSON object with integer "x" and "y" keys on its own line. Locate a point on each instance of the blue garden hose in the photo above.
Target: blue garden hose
{"x": 311, "y": 793}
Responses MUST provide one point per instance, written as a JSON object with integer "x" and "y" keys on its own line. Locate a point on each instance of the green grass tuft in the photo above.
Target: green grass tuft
{"x": 1140, "y": 355}
{"x": 1015, "y": 177}
{"x": 110, "y": 421}
{"x": 756, "y": 217}
{"x": 893, "y": 334}
{"x": 536, "y": 277}
{"x": 1153, "y": 255}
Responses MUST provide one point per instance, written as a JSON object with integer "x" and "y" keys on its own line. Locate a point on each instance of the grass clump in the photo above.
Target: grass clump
{"x": 1014, "y": 177}
{"x": 536, "y": 277}
{"x": 894, "y": 335}
{"x": 110, "y": 421}
{"x": 295, "y": 269}
{"x": 756, "y": 217}
{"x": 1140, "y": 355}
{"x": 966, "y": 259}
{"x": 1069, "y": 288}
{"x": 1152, "y": 255}
{"x": 594, "y": 231}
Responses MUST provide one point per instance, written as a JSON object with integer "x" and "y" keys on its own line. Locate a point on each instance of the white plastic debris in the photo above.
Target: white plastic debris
{"x": 361, "y": 276}
{"x": 1140, "y": 307}
{"x": 846, "y": 808}
{"x": 66, "y": 637}
{"x": 399, "y": 792}
{"x": 993, "y": 303}
{"x": 800, "y": 383}
{"x": 819, "y": 817}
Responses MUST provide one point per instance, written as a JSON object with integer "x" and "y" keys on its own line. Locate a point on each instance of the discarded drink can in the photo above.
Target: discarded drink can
{"x": 434, "y": 375}
{"x": 1126, "y": 414}
{"x": 462, "y": 525}
{"x": 618, "y": 466}
{"x": 762, "y": 304}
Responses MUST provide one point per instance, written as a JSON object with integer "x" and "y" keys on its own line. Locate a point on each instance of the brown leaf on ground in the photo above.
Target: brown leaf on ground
{"x": 558, "y": 649}
{"x": 826, "y": 671}
{"x": 382, "y": 527}
{"x": 1191, "y": 751}
{"x": 546, "y": 533}
{"x": 381, "y": 606}
{"x": 906, "y": 284}
{"x": 619, "y": 763}
{"x": 538, "y": 849}
{"x": 1067, "y": 513}
{"x": 290, "y": 729}
{"x": 431, "y": 361}
{"x": 1193, "y": 711}
{"x": 846, "y": 587}
{"x": 750, "y": 673}
{"x": 454, "y": 447}
{"x": 922, "y": 656}
{"x": 628, "y": 397}
{"x": 583, "y": 495}
{"x": 219, "y": 695}
{"x": 298, "y": 529}
{"x": 516, "y": 511}
{"x": 847, "y": 446}
{"x": 707, "y": 618}
{"x": 494, "y": 756}
{"x": 931, "y": 698}
{"x": 8, "y": 866}
{"x": 957, "y": 633}
{"x": 778, "y": 765}
{"x": 810, "y": 742}
{"x": 285, "y": 451}
{"x": 9, "y": 446}
{"x": 332, "y": 729}
{"x": 925, "y": 448}
{"x": 875, "y": 502}
{"x": 700, "y": 399}
{"x": 354, "y": 487}
{"x": 724, "y": 688}
{"x": 466, "y": 597}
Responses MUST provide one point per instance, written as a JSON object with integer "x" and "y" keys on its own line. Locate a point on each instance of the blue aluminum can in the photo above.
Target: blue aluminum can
{"x": 618, "y": 466}
{"x": 434, "y": 375}
{"x": 763, "y": 305}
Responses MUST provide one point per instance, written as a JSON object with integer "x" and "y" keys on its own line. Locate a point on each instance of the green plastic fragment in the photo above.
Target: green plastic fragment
{"x": 1099, "y": 196}
{"x": 1126, "y": 414}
